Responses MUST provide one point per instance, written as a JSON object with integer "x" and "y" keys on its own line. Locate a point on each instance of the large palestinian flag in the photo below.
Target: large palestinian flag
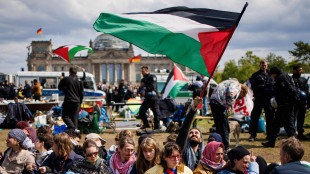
{"x": 68, "y": 52}
{"x": 176, "y": 80}
{"x": 193, "y": 37}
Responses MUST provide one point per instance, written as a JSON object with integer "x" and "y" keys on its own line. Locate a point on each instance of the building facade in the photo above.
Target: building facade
{"x": 109, "y": 63}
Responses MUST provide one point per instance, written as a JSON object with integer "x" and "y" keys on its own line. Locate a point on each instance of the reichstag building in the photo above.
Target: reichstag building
{"x": 109, "y": 63}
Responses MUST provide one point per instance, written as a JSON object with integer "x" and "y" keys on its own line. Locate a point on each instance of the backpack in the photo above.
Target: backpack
{"x": 171, "y": 103}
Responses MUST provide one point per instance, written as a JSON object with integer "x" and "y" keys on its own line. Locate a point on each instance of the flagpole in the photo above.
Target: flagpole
{"x": 77, "y": 66}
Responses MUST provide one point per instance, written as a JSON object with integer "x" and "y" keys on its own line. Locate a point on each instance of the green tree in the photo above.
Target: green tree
{"x": 217, "y": 77}
{"x": 277, "y": 61}
{"x": 230, "y": 70}
{"x": 249, "y": 58}
{"x": 301, "y": 52}
{"x": 305, "y": 67}
{"x": 245, "y": 72}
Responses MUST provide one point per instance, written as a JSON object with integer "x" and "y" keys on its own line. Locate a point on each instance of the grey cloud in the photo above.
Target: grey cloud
{"x": 267, "y": 26}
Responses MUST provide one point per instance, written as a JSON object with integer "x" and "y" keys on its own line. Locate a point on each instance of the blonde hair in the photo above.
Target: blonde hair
{"x": 263, "y": 61}
{"x": 63, "y": 143}
{"x": 141, "y": 162}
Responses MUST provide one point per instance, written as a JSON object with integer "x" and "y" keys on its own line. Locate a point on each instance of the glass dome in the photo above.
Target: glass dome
{"x": 106, "y": 41}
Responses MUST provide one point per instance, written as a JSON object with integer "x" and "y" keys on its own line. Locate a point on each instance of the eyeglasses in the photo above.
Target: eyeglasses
{"x": 174, "y": 157}
{"x": 92, "y": 154}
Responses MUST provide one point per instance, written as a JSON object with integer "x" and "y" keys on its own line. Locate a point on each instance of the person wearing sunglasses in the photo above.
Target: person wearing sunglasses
{"x": 212, "y": 158}
{"x": 92, "y": 163}
{"x": 170, "y": 162}
{"x": 148, "y": 156}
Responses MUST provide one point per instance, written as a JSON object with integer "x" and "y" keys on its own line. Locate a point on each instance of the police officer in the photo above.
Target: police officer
{"x": 300, "y": 107}
{"x": 262, "y": 86}
{"x": 121, "y": 91}
{"x": 148, "y": 89}
{"x": 285, "y": 95}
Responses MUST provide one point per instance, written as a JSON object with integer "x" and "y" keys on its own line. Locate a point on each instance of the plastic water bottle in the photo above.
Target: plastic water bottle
{"x": 101, "y": 122}
{"x": 128, "y": 114}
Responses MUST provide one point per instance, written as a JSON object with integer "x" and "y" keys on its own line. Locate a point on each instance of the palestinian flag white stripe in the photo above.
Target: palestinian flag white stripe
{"x": 179, "y": 25}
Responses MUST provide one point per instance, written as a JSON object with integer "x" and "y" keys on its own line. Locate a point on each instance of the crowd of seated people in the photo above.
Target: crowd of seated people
{"x": 39, "y": 151}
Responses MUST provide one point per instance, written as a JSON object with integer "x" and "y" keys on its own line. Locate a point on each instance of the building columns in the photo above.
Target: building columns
{"x": 115, "y": 73}
{"x": 123, "y": 71}
{"x": 108, "y": 74}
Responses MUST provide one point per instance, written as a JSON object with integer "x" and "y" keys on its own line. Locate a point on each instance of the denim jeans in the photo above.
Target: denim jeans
{"x": 205, "y": 106}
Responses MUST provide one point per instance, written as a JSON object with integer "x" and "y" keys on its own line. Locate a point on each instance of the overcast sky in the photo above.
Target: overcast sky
{"x": 266, "y": 26}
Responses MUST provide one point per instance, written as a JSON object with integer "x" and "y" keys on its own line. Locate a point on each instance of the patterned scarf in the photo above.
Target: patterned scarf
{"x": 209, "y": 154}
{"x": 116, "y": 163}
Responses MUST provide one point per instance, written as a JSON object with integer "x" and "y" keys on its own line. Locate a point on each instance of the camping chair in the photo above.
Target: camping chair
{"x": 109, "y": 119}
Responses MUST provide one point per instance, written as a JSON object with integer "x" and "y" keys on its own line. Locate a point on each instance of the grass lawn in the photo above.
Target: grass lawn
{"x": 270, "y": 154}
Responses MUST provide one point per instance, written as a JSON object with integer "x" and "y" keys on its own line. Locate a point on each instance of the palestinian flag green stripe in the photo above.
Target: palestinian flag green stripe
{"x": 154, "y": 39}
{"x": 176, "y": 88}
{"x": 76, "y": 48}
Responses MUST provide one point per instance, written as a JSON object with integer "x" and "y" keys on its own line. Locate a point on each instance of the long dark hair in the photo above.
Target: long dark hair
{"x": 167, "y": 151}
{"x": 141, "y": 163}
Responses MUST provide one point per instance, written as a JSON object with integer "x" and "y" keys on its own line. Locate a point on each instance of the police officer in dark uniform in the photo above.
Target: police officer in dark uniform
{"x": 121, "y": 91}
{"x": 262, "y": 86}
{"x": 148, "y": 89}
{"x": 300, "y": 107}
{"x": 285, "y": 95}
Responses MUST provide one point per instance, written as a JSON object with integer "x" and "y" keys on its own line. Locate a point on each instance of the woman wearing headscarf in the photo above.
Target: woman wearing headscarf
{"x": 212, "y": 158}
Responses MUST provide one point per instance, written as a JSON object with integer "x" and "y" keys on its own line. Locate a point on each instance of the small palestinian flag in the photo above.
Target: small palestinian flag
{"x": 39, "y": 31}
{"x": 68, "y": 52}
{"x": 175, "y": 82}
{"x": 135, "y": 59}
{"x": 193, "y": 37}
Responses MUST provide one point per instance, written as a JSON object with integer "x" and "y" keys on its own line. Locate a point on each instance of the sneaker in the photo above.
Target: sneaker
{"x": 269, "y": 144}
{"x": 77, "y": 131}
{"x": 252, "y": 138}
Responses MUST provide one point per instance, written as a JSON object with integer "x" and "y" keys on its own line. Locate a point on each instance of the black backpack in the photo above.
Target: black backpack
{"x": 171, "y": 103}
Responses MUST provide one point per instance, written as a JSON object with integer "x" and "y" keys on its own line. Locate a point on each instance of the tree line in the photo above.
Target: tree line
{"x": 249, "y": 63}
